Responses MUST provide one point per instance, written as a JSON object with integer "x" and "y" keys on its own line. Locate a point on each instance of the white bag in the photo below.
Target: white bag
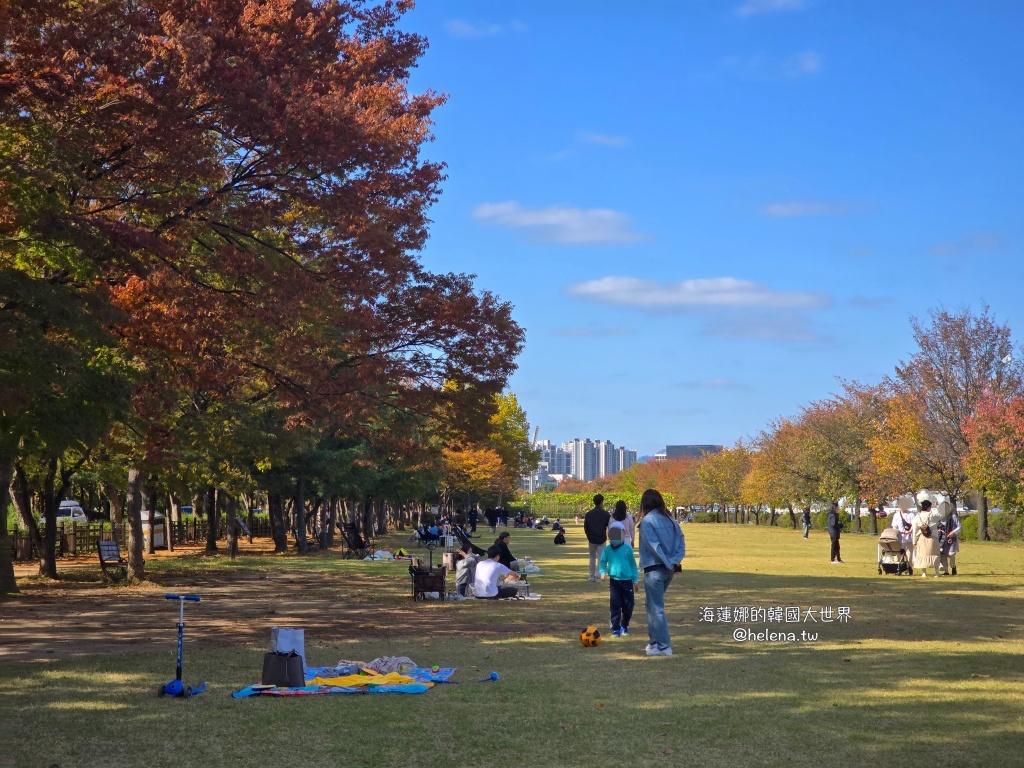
{"x": 286, "y": 640}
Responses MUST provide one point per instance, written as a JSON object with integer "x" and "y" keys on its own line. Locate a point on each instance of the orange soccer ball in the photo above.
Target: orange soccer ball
{"x": 590, "y": 637}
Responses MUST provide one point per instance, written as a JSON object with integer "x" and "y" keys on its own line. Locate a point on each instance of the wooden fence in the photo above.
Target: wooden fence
{"x": 82, "y": 538}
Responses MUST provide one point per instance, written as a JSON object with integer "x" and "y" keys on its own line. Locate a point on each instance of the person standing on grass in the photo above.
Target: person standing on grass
{"x": 805, "y": 518}
{"x": 926, "y": 540}
{"x": 834, "y": 522}
{"x": 619, "y": 565}
{"x": 949, "y": 538}
{"x": 595, "y": 526}
{"x": 662, "y": 549}
{"x": 622, "y": 518}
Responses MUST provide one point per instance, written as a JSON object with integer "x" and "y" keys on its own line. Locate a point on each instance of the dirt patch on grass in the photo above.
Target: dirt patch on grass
{"x": 80, "y": 615}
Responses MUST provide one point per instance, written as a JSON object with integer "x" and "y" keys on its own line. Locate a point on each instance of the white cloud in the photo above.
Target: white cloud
{"x": 805, "y": 63}
{"x": 466, "y": 29}
{"x": 792, "y": 208}
{"x": 784, "y": 327}
{"x": 568, "y": 226}
{"x": 604, "y": 140}
{"x": 762, "y": 67}
{"x": 728, "y": 292}
{"x": 982, "y": 241}
{"x": 756, "y": 7}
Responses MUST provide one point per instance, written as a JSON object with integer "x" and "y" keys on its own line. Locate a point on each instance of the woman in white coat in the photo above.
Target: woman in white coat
{"x": 926, "y": 540}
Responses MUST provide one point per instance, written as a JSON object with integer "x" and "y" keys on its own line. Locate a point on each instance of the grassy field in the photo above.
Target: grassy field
{"x": 926, "y": 672}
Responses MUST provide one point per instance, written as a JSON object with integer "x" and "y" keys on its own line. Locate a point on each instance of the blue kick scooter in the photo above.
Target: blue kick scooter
{"x": 175, "y": 688}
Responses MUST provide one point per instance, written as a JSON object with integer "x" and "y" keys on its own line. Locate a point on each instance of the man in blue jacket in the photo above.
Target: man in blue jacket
{"x": 662, "y": 549}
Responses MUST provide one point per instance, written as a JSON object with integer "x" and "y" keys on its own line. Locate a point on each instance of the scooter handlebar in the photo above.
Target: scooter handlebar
{"x": 189, "y": 598}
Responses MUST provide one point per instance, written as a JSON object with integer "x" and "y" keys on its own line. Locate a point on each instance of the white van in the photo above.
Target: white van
{"x": 70, "y": 512}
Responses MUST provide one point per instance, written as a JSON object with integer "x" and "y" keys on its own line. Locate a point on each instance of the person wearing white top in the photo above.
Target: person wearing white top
{"x": 622, "y": 519}
{"x": 903, "y": 522}
{"x": 488, "y": 573}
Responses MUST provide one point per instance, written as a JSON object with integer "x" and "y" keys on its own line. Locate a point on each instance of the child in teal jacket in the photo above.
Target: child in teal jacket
{"x": 619, "y": 565}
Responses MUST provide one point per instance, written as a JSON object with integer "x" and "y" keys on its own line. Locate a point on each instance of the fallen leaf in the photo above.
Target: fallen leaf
{"x": 426, "y": 645}
{"x": 600, "y": 703}
{"x": 984, "y": 677}
{"x": 667, "y": 751}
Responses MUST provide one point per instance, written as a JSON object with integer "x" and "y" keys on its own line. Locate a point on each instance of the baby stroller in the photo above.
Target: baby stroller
{"x": 892, "y": 557}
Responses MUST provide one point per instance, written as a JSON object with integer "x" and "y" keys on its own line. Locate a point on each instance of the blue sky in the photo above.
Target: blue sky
{"x": 705, "y": 212}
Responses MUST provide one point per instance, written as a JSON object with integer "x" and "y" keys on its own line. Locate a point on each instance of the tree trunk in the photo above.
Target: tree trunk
{"x": 48, "y": 552}
{"x": 8, "y": 584}
{"x": 368, "y": 519}
{"x": 301, "y": 545}
{"x": 856, "y": 512}
{"x": 792, "y": 515}
{"x": 874, "y": 517}
{"x": 382, "y": 517}
{"x": 113, "y": 496}
{"x": 278, "y": 529}
{"x": 23, "y": 505}
{"x": 211, "y": 520}
{"x": 150, "y": 506}
{"x": 133, "y": 509}
{"x": 231, "y": 507}
{"x": 982, "y": 517}
{"x": 332, "y": 520}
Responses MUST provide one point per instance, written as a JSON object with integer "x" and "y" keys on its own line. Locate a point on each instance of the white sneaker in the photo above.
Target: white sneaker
{"x": 655, "y": 651}
{"x": 649, "y": 648}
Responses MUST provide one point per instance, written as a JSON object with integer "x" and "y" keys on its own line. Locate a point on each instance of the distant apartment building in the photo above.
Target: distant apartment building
{"x": 581, "y": 459}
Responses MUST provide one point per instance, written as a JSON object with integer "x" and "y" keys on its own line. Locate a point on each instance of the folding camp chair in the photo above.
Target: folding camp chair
{"x": 353, "y": 544}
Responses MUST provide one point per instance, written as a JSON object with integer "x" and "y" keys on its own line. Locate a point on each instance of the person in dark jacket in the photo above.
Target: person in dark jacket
{"x": 505, "y": 556}
{"x": 595, "y": 526}
{"x": 805, "y": 519}
{"x": 491, "y": 516}
{"x": 834, "y": 523}
{"x": 474, "y": 518}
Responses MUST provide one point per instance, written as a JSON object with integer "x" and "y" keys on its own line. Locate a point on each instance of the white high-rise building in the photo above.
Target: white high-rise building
{"x": 607, "y": 458}
{"x": 584, "y": 459}
{"x": 626, "y": 458}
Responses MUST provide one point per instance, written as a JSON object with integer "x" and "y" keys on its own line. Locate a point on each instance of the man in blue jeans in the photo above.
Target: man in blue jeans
{"x": 662, "y": 549}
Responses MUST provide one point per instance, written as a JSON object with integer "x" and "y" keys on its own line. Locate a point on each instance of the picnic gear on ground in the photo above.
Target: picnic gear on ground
{"x": 287, "y": 639}
{"x": 284, "y": 670}
{"x": 385, "y": 664}
{"x": 317, "y": 682}
{"x": 175, "y": 686}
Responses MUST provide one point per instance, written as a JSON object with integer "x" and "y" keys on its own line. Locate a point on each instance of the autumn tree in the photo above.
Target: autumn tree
{"x": 244, "y": 182}
{"x": 961, "y": 357}
{"x": 721, "y": 476}
{"x": 995, "y": 460}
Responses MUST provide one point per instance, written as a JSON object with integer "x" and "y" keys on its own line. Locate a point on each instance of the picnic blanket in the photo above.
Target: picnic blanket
{"x": 321, "y": 681}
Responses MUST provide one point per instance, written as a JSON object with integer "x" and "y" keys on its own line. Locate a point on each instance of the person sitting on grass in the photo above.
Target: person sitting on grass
{"x": 488, "y": 573}
{"x": 506, "y": 557}
{"x": 465, "y": 569}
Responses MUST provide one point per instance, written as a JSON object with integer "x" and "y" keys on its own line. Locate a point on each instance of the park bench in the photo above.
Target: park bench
{"x": 114, "y": 567}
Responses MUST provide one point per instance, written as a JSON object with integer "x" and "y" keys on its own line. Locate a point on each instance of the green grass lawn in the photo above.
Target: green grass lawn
{"x": 926, "y": 672}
